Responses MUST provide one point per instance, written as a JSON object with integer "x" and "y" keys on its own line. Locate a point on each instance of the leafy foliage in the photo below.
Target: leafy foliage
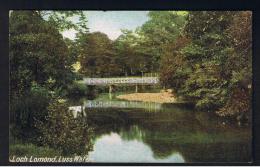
{"x": 63, "y": 19}
{"x": 26, "y": 109}
{"x": 240, "y": 65}
{"x": 37, "y": 53}
{"x": 131, "y": 61}
{"x": 77, "y": 90}
{"x": 214, "y": 68}
{"x": 132, "y": 53}
{"x": 64, "y": 132}
{"x": 163, "y": 28}
{"x": 97, "y": 56}
{"x": 40, "y": 72}
{"x": 174, "y": 68}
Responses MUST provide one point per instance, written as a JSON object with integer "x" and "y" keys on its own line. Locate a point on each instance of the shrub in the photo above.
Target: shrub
{"x": 26, "y": 109}
{"x": 64, "y": 132}
{"x": 77, "y": 89}
{"x": 78, "y": 76}
{"x": 238, "y": 105}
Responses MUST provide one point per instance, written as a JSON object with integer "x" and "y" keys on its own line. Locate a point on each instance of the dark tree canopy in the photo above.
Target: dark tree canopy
{"x": 210, "y": 63}
{"x": 97, "y": 56}
{"x": 38, "y": 52}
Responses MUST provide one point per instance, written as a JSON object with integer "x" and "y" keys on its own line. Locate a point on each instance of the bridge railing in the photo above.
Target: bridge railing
{"x": 148, "y": 106}
{"x": 125, "y": 80}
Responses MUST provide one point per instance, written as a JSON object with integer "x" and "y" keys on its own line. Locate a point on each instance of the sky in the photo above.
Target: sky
{"x": 111, "y": 22}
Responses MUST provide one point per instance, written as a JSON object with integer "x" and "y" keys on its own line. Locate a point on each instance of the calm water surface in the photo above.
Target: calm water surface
{"x": 149, "y": 132}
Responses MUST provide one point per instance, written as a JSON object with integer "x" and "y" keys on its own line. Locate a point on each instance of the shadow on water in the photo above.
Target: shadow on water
{"x": 170, "y": 133}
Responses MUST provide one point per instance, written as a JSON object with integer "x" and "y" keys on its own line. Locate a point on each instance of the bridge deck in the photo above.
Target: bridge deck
{"x": 121, "y": 81}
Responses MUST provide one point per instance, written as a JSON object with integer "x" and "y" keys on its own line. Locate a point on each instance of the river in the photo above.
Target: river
{"x": 151, "y": 132}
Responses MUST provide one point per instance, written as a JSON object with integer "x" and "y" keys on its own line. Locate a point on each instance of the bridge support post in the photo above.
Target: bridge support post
{"x": 110, "y": 89}
{"x": 136, "y": 88}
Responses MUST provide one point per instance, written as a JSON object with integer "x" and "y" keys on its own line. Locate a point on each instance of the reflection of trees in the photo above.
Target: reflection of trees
{"x": 202, "y": 152}
{"x": 134, "y": 133}
{"x": 196, "y": 136}
{"x": 198, "y": 146}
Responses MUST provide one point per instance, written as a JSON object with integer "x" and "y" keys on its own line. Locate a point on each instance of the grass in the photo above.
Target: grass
{"x": 28, "y": 149}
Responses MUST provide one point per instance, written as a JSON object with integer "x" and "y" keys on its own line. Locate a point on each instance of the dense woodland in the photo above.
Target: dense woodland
{"x": 204, "y": 56}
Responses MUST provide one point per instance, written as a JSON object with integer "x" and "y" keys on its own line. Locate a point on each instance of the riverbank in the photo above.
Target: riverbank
{"x": 161, "y": 97}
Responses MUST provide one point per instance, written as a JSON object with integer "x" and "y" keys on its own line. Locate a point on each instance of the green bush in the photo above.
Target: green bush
{"x": 63, "y": 132}
{"x": 26, "y": 109}
{"x": 238, "y": 104}
{"x": 77, "y": 89}
{"x": 78, "y": 76}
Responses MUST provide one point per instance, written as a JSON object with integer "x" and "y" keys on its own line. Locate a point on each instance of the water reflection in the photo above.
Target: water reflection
{"x": 171, "y": 134}
{"x": 113, "y": 148}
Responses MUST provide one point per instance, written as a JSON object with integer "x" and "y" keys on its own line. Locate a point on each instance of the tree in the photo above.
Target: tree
{"x": 62, "y": 20}
{"x": 97, "y": 57}
{"x": 239, "y": 64}
{"x": 213, "y": 69}
{"x": 207, "y": 83}
{"x": 38, "y": 52}
{"x": 162, "y": 28}
{"x": 131, "y": 61}
{"x": 174, "y": 70}
{"x": 31, "y": 59}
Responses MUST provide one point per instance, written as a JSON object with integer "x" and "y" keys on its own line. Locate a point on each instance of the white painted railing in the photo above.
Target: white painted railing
{"x": 119, "y": 81}
{"x": 148, "y": 106}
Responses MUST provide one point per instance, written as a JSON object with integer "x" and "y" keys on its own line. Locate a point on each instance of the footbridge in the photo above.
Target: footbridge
{"x": 121, "y": 81}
